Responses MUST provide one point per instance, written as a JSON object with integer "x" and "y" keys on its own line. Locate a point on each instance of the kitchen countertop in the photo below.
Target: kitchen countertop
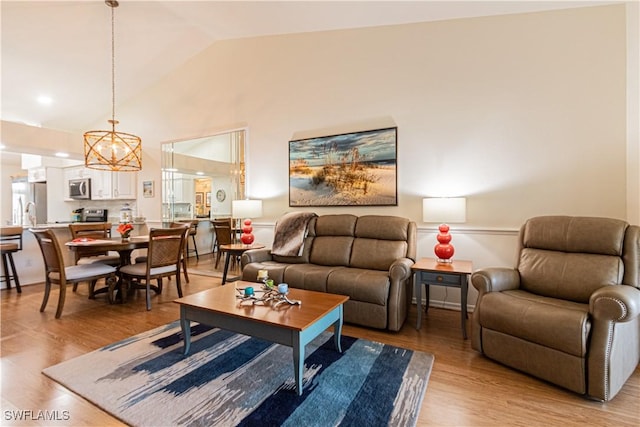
{"x": 66, "y": 224}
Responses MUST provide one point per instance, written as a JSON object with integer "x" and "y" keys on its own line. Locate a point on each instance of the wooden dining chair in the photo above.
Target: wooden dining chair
{"x": 93, "y": 230}
{"x": 222, "y": 229}
{"x": 143, "y": 258}
{"x": 164, "y": 258}
{"x": 56, "y": 272}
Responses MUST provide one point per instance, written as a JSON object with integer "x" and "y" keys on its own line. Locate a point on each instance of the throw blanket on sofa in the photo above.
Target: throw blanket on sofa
{"x": 290, "y": 232}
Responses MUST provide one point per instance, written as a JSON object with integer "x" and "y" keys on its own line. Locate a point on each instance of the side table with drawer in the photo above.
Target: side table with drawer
{"x": 429, "y": 271}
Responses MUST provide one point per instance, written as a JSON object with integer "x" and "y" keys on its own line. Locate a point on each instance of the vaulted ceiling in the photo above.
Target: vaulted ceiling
{"x": 62, "y": 49}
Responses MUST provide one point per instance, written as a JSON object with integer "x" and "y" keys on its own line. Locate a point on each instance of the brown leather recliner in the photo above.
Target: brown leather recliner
{"x": 569, "y": 312}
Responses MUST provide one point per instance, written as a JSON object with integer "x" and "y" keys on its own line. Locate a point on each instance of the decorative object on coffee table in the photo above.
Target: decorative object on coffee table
{"x": 269, "y": 295}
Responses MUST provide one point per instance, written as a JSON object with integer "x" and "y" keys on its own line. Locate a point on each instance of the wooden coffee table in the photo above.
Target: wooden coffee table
{"x": 292, "y": 325}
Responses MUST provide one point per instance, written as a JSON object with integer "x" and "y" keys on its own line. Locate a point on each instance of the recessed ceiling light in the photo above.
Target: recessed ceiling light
{"x": 45, "y": 100}
{"x": 2, "y": 146}
{"x": 199, "y": 173}
{"x": 60, "y": 154}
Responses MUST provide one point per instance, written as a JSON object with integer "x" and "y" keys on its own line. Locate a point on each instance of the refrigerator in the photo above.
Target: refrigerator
{"x": 38, "y": 196}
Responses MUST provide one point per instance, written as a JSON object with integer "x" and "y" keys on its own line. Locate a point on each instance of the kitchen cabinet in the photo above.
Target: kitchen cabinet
{"x": 183, "y": 190}
{"x": 37, "y": 174}
{"x": 106, "y": 185}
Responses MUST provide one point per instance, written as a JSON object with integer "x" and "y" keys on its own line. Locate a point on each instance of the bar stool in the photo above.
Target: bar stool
{"x": 193, "y": 229}
{"x": 10, "y": 242}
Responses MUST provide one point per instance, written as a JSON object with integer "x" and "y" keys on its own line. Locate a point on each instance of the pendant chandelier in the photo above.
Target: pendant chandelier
{"x": 108, "y": 149}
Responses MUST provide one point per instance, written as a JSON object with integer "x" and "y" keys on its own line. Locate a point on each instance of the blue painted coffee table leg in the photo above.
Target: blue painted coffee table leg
{"x": 185, "y": 325}
{"x": 337, "y": 331}
{"x": 300, "y": 339}
{"x": 298, "y": 362}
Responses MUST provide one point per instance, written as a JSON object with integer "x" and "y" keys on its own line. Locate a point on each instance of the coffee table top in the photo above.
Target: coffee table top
{"x": 223, "y": 300}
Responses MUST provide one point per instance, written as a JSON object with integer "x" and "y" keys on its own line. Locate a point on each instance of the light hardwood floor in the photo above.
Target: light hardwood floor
{"x": 465, "y": 389}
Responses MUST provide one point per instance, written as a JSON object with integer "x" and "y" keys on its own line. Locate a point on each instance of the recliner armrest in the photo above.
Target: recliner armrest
{"x": 495, "y": 279}
{"x": 255, "y": 255}
{"x": 618, "y": 303}
{"x": 400, "y": 269}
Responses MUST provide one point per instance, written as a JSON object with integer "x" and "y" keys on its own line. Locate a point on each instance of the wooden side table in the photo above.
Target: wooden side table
{"x": 235, "y": 249}
{"x": 454, "y": 274}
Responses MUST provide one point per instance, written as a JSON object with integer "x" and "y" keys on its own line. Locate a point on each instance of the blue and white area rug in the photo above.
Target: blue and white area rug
{"x": 230, "y": 379}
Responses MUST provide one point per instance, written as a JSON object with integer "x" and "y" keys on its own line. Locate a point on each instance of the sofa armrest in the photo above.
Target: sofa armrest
{"x": 400, "y": 269}
{"x": 495, "y": 279}
{"x": 617, "y": 303}
{"x": 255, "y": 255}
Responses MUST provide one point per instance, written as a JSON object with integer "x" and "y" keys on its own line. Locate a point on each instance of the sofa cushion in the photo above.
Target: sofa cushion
{"x": 525, "y": 315}
{"x": 569, "y": 276}
{"x": 335, "y": 225}
{"x": 376, "y": 254}
{"x": 309, "y": 276}
{"x": 331, "y": 250}
{"x": 360, "y": 285}
{"x": 382, "y": 227}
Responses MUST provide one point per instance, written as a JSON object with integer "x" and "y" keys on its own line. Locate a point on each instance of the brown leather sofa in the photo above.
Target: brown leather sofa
{"x": 569, "y": 312}
{"x": 368, "y": 258}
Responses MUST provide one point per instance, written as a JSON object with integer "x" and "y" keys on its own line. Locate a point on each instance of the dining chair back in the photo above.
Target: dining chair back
{"x": 143, "y": 258}
{"x": 224, "y": 236}
{"x": 56, "y": 272}
{"x": 93, "y": 230}
{"x": 164, "y": 258}
{"x": 10, "y": 243}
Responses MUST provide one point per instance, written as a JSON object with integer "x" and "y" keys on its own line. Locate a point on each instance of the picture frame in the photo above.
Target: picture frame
{"x": 148, "y": 189}
{"x": 349, "y": 169}
{"x": 199, "y": 198}
{"x": 208, "y": 199}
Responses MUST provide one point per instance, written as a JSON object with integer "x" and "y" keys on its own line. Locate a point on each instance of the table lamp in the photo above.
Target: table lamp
{"x": 444, "y": 210}
{"x": 246, "y": 209}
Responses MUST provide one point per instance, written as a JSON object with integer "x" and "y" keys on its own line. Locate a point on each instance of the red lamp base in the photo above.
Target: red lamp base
{"x": 246, "y": 237}
{"x": 444, "y": 250}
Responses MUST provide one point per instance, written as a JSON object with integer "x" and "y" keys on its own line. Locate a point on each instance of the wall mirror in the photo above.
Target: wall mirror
{"x": 200, "y": 177}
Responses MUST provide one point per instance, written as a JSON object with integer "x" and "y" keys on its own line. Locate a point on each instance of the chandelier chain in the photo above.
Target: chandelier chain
{"x": 113, "y": 65}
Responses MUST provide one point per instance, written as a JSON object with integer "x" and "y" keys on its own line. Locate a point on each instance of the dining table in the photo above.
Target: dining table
{"x": 124, "y": 247}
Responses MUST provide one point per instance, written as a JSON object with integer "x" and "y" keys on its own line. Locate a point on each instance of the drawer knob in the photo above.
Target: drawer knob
{"x": 439, "y": 278}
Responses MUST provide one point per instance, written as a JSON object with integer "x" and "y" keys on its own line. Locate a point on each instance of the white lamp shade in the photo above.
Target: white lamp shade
{"x": 444, "y": 209}
{"x": 246, "y": 208}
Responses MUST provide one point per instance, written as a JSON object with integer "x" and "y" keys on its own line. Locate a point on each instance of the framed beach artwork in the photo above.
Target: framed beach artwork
{"x": 351, "y": 169}
{"x": 147, "y": 188}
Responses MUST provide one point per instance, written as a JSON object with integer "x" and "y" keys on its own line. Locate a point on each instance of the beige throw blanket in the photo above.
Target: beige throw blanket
{"x": 290, "y": 233}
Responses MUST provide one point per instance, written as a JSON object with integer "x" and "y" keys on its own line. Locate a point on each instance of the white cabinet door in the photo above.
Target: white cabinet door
{"x": 124, "y": 185}
{"x": 107, "y": 185}
{"x": 183, "y": 190}
{"x": 101, "y": 188}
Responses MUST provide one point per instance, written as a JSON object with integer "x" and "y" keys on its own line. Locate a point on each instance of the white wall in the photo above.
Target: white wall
{"x": 523, "y": 114}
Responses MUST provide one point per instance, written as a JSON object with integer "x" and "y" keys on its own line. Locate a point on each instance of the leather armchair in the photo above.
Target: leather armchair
{"x": 569, "y": 313}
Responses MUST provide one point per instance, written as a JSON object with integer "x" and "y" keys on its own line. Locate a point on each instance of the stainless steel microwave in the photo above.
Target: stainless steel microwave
{"x": 80, "y": 188}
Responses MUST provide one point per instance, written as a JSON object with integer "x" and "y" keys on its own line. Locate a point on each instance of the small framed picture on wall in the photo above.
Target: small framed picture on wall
{"x": 199, "y": 198}
{"x": 147, "y": 188}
